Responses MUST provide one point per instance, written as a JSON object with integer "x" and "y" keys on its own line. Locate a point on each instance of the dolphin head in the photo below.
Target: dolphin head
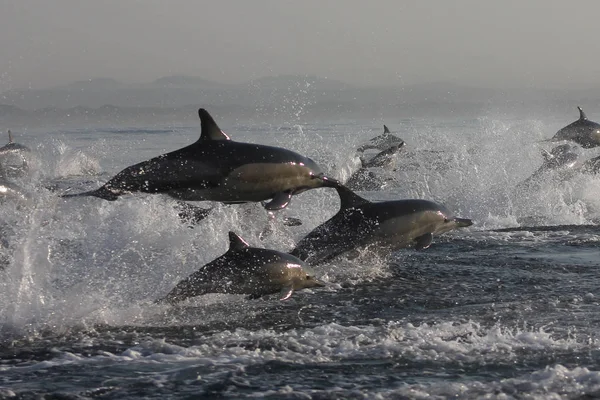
{"x": 307, "y": 279}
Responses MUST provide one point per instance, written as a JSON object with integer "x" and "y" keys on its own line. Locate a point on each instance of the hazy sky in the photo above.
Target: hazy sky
{"x": 495, "y": 43}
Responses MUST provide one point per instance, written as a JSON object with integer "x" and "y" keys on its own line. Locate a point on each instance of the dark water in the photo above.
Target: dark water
{"x": 492, "y": 311}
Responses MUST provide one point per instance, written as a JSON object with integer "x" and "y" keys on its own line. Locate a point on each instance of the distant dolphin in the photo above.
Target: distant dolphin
{"x": 246, "y": 270}
{"x": 216, "y": 168}
{"x": 13, "y": 157}
{"x": 583, "y": 132}
{"x": 365, "y": 178}
{"x": 563, "y": 160}
{"x": 391, "y": 225}
{"x": 382, "y": 142}
{"x": 384, "y": 159}
{"x": 12, "y": 147}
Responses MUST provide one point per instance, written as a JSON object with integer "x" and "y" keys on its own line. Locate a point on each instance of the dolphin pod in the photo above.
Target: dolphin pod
{"x": 216, "y": 168}
{"x": 391, "y": 225}
{"x": 246, "y": 270}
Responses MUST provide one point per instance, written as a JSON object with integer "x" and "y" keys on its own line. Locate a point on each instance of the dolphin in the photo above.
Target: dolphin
{"x": 13, "y": 147}
{"x": 563, "y": 160}
{"x": 583, "y": 132}
{"x": 246, "y": 270}
{"x": 13, "y": 157}
{"x": 365, "y": 179}
{"x": 216, "y": 168}
{"x": 382, "y": 142}
{"x": 390, "y": 225}
{"x": 384, "y": 159}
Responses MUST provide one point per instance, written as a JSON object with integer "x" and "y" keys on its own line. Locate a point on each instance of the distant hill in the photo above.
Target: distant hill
{"x": 285, "y": 96}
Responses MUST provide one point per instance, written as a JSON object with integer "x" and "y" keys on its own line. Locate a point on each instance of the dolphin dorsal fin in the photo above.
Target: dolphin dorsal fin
{"x": 581, "y": 113}
{"x": 10, "y": 138}
{"x": 349, "y": 199}
{"x": 385, "y": 129}
{"x": 236, "y": 242}
{"x": 209, "y": 128}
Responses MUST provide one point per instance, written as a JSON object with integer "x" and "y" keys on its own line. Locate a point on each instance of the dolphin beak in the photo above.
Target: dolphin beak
{"x": 318, "y": 283}
{"x": 327, "y": 181}
{"x": 463, "y": 222}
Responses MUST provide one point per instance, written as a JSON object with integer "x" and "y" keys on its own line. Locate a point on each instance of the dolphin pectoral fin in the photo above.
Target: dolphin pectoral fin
{"x": 286, "y": 292}
{"x": 424, "y": 241}
{"x": 279, "y": 201}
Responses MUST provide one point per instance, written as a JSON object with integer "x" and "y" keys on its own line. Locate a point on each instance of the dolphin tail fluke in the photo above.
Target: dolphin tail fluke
{"x": 581, "y": 113}
{"x": 463, "y": 222}
{"x": 102, "y": 193}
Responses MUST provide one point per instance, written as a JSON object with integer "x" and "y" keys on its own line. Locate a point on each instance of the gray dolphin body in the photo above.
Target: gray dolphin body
{"x": 382, "y": 142}
{"x": 12, "y": 147}
{"x": 583, "y": 132}
{"x": 246, "y": 270}
{"x": 13, "y": 157}
{"x": 563, "y": 160}
{"x": 391, "y": 225}
{"x": 365, "y": 178}
{"x": 215, "y": 168}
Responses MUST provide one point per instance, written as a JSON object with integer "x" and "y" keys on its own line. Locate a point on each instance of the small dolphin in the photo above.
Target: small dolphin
{"x": 246, "y": 270}
{"x": 365, "y": 178}
{"x": 391, "y": 225}
{"x": 382, "y": 142}
{"x": 563, "y": 160}
{"x": 216, "y": 168}
{"x": 583, "y": 132}
{"x": 12, "y": 147}
{"x": 13, "y": 157}
{"x": 384, "y": 159}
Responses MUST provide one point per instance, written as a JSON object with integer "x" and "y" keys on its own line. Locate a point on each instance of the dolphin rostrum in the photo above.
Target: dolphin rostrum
{"x": 390, "y": 225}
{"x": 216, "y": 168}
{"x": 246, "y": 270}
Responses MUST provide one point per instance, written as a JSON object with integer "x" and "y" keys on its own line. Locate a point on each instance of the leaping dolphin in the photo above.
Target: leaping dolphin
{"x": 216, "y": 168}
{"x": 13, "y": 147}
{"x": 583, "y": 132}
{"x": 382, "y": 142}
{"x": 391, "y": 225}
{"x": 246, "y": 270}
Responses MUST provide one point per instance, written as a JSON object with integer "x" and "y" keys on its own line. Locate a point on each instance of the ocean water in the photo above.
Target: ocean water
{"x": 486, "y": 312}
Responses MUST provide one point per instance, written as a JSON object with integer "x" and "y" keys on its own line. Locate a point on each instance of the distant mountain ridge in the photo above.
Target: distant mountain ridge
{"x": 293, "y": 95}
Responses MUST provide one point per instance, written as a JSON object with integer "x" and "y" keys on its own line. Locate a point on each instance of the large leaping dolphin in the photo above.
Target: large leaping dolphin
{"x": 583, "y": 132}
{"x": 216, "y": 168}
{"x": 390, "y": 225}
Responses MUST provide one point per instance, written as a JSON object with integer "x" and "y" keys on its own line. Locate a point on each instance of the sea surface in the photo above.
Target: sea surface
{"x": 506, "y": 309}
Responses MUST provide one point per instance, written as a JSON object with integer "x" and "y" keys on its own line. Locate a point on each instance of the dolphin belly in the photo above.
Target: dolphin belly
{"x": 253, "y": 182}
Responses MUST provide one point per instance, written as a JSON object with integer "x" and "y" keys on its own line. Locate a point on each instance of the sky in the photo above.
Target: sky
{"x": 483, "y": 43}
